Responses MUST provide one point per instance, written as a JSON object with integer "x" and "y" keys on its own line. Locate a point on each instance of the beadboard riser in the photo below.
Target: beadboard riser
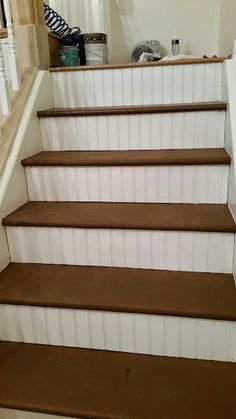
{"x": 125, "y": 332}
{"x": 160, "y": 184}
{"x": 135, "y": 132}
{"x": 138, "y": 86}
{"x": 18, "y": 414}
{"x": 168, "y": 250}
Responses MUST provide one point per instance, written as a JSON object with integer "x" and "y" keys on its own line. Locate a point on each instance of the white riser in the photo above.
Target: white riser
{"x": 166, "y": 184}
{"x": 18, "y": 414}
{"x": 181, "y": 251}
{"x": 125, "y": 332}
{"x": 134, "y": 132}
{"x": 138, "y": 86}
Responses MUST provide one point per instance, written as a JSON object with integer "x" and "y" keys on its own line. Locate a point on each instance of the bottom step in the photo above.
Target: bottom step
{"x": 107, "y": 385}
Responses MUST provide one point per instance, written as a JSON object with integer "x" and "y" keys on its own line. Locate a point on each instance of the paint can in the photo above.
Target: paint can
{"x": 93, "y": 49}
{"x": 69, "y": 56}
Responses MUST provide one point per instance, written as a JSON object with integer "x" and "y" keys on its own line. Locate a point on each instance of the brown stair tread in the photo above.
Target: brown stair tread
{"x": 109, "y": 385}
{"x": 184, "y": 217}
{"x": 185, "y": 294}
{"x": 129, "y": 158}
{"x": 132, "y": 110}
{"x": 183, "y": 61}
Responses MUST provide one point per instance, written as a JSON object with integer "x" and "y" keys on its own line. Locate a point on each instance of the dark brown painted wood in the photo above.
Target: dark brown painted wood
{"x": 134, "y": 110}
{"x": 110, "y": 385}
{"x": 129, "y": 158}
{"x": 3, "y": 33}
{"x": 184, "y": 294}
{"x": 136, "y": 65}
{"x": 180, "y": 217}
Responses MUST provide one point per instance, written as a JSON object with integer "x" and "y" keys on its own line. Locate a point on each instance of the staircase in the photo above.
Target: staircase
{"x": 120, "y": 292}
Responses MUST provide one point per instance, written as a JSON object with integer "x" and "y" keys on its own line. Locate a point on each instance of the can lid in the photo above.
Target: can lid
{"x": 94, "y": 34}
{"x": 95, "y": 37}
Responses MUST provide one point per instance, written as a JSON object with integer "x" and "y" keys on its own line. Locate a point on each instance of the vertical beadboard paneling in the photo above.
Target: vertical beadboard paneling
{"x": 166, "y": 184}
{"x": 157, "y": 333}
{"x": 83, "y": 327}
{"x": 26, "y": 324}
{"x": 150, "y": 85}
{"x": 54, "y": 327}
{"x": 134, "y": 132}
{"x": 125, "y": 332}
{"x": 189, "y": 337}
{"x": 232, "y": 348}
{"x": 184, "y": 251}
{"x": 205, "y": 342}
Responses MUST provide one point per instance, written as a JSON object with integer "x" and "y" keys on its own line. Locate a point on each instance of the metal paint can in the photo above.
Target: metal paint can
{"x": 69, "y": 56}
{"x": 93, "y": 49}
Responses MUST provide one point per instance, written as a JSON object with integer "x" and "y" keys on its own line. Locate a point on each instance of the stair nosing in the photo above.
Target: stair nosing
{"x": 164, "y": 63}
{"x": 133, "y": 110}
{"x": 127, "y": 216}
{"x": 183, "y": 157}
{"x": 97, "y": 384}
{"x": 77, "y": 287}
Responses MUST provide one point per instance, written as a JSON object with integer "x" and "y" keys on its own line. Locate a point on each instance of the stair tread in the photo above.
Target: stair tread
{"x": 129, "y": 158}
{"x": 183, "y": 217}
{"x": 170, "y": 293}
{"x": 109, "y": 385}
{"x": 132, "y": 110}
{"x": 183, "y": 61}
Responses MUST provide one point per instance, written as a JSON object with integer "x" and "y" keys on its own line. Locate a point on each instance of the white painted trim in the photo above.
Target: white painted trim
{"x": 4, "y": 91}
{"x": 29, "y": 112}
{"x": 161, "y": 184}
{"x": 124, "y": 332}
{"x": 169, "y": 250}
{"x": 230, "y": 139}
{"x": 13, "y": 187}
{"x": 15, "y": 74}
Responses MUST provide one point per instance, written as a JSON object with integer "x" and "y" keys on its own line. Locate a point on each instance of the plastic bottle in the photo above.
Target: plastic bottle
{"x": 175, "y": 45}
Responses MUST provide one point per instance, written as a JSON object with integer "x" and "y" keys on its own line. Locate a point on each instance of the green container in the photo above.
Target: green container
{"x": 69, "y": 56}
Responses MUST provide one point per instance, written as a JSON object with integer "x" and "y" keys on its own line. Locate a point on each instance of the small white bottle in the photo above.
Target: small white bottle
{"x": 175, "y": 45}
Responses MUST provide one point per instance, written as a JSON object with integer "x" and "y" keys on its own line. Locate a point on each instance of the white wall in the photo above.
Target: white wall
{"x": 137, "y": 20}
{"x": 227, "y": 31}
{"x": 204, "y": 26}
{"x": 90, "y": 15}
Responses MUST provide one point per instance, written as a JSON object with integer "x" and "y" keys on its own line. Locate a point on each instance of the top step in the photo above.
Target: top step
{"x": 148, "y": 64}
{"x": 133, "y": 110}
